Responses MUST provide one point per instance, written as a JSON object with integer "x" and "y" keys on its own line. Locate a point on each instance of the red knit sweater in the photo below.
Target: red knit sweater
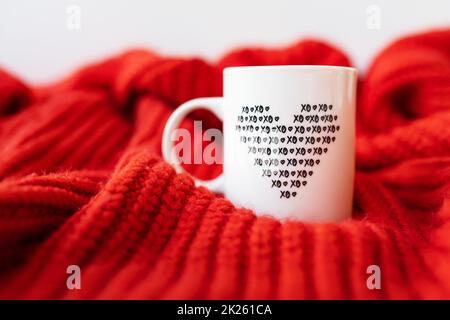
{"x": 82, "y": 182}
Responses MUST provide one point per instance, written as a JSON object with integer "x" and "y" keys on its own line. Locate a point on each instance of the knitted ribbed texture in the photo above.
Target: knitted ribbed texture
{"x": 82, "y": 182}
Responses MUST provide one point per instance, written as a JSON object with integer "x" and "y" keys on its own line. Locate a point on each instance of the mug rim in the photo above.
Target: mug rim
{"x": 316, "y": 67}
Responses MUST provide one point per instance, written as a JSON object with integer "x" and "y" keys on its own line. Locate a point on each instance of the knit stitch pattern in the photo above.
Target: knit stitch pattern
{"x": 82, "y": 183}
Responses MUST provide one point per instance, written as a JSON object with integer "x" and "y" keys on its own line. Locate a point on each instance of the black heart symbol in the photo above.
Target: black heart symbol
{"x": 337, "y": 128}
{"x": 275, "y": 173}
{"x": 267, "y": 108}
{"x": 325, "y": 150}
{"x": 292, "y": 173}
{"x": 291, "y": 151}
{"x": 246, "y": 118}
{"x": 308, "y": 129}
{"x": 300, "y": 161}
{"x": 290, "y": 128}
{"x": 333, "y": 139}
{"x": 251, "y": 109}
{"x": 317, "y": 161}
{"x": 277, "y": 118}
{"x": 331, "y": 106}
{"x": 294, "y": 194}
{"x": 265, "y": 139}
{"x": 314, "y": 107}
{"x": 282, "y": 139}
{"x": 304, "y": 183}
{"x": 324, "y": 128}
{"x": 256, "y": 128}
{"x": 307, "y": 118}
{"x": 285, "y": 183}
{"x": 309, "y": 150}
{"x": 275, "y": 129}
{"x": 322, "y": 117}
{"x": 318, "y": 139}
{"x": 310, "y": 173}
{"x": 274, "y": 151}
{"x": 300, "y": 139}
{"x": 266, "y": 162}
{"x": 282, "y": 161}
{"x": 335, "y": 118}
{"x": 260, "y": 118}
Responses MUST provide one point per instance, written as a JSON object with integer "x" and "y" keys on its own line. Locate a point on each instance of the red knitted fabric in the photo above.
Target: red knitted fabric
{"x": 82, "y": 182}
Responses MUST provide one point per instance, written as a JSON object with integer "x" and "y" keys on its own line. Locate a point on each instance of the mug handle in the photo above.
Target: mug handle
{"x": 213, "y": 104}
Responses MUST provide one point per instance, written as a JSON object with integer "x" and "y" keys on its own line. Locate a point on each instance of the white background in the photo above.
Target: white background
{"x": 37, "y": 45}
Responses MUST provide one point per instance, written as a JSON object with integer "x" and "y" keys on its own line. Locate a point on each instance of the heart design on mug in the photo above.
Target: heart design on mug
{"x": 288, "y": 150}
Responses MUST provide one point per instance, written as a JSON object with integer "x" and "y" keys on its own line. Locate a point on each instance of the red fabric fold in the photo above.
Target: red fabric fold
{"x": 82, "y": 183}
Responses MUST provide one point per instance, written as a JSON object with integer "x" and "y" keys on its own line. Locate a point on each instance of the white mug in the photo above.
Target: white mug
{"x": 289, "y": 140}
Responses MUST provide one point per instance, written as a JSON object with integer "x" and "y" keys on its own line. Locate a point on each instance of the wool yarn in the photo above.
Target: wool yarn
{"x": 82, "y": 183}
